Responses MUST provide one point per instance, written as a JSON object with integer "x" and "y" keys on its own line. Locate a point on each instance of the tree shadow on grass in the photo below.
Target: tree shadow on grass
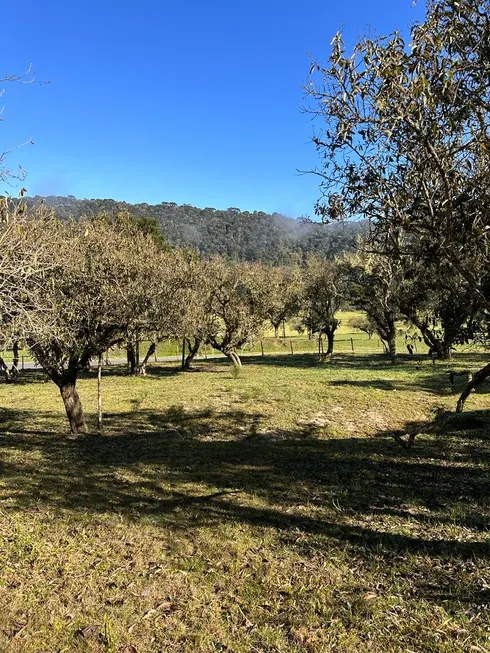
{"x": 426, "y": 376}
{"x": 141, "y": 465}
{"x": 186, "y": 469}
{"x": 352, "y": 361}
{"x": 429, "y": 378}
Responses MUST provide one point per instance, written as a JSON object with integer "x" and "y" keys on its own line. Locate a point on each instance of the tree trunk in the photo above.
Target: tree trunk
{"x": 478, "y": 378}
{"x": 73, "y": 405}
{"x": 330, "y": 341}
{"x": 234, "y": 357}
{"x": 192, "y": 350}
{"x": 392, "y": 347}
{"x": 276, "y": 330}
{"x": 151, "y": 350}
{"x": 131, "y": 353}
{"x": 446, "y": 350}
{"x": 16, "y": 354}
{"x": 440, "y": 348}
{"x": 3, "y": 366}
{"x": 99, "y": 393}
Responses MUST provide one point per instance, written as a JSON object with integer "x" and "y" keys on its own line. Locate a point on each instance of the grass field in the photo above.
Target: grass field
{"x": 347, "y": 339}
{"x": 267, "y": 512}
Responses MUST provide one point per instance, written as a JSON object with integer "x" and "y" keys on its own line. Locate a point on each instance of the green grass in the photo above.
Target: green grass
{"x": 272, "y": 512}
{"x": 347, "y": 340}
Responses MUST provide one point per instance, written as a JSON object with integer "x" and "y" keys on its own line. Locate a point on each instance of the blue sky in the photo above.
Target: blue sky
{"x": 187, "y": 101}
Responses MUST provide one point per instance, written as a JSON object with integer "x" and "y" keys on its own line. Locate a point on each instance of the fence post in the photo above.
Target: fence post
{"x": 352, "y": 343}
{"x": 22, "y": 363}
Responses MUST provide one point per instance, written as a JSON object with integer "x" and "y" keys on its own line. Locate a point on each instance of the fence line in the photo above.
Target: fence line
{"x": 171, "y": 348}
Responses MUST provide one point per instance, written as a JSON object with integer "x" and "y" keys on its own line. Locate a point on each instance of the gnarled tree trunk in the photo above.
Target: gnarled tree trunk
{"x": 192, "y": 350}
{"x": 441, "y": 349}
{"x": 73, "y": 405}
{"x": 151, "y": 350}
{"x": 478, "y": 378}
{"x": 387, "y": 335}
{"x": 330, "y": 341}
{"x": 131, "y": 354}
{"x": 234, "y": 357}
{"x": 226, "y": 349}
{"x": 66, "y": 380}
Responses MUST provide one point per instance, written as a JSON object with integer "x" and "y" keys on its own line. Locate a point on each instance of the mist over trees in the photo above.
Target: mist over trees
{"x": 235, "y": 234}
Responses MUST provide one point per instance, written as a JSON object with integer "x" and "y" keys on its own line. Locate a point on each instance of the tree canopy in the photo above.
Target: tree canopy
{"x": 404, "y": 143}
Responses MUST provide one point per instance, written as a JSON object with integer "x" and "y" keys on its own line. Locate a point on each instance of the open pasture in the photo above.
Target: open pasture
{"x": 271, "y": 512}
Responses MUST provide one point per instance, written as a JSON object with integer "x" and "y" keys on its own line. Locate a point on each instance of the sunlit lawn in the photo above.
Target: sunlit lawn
{"x": 271, "y": 512}
{"x": 347, "y": 339}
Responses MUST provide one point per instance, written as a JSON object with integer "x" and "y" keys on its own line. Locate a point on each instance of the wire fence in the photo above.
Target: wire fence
{"x": 171, "y": 348}
{"x": 290, "y": 345}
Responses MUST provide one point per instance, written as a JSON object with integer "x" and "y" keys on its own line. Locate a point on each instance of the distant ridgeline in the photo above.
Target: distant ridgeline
{"x": 231, "y": 233}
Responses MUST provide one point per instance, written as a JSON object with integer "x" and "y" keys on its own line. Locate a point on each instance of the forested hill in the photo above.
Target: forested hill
{"x": 233, "y": 233}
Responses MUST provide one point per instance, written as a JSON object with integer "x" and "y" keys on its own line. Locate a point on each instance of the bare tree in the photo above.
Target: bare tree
{"x": 100, "y": 288}
{"x": 7, "y": 174}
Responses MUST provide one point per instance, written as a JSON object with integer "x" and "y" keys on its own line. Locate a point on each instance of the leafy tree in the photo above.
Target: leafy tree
{"x": 193, "y": 285}
{"x": 285, "y": 289}
{"x": 363, "y": 324}
{"x": 405, "y": 142}
{"x": 323, "y": 296}
{"x": 150, "y": 227}
{"x": 236, "y": 305}
{"x": 101, "y": 287}
{"x": 375, "y": 286}
{"x": 437, "y": 304}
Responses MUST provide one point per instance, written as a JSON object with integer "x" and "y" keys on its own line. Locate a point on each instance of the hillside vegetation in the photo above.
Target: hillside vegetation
{"x": 257, "y": 236}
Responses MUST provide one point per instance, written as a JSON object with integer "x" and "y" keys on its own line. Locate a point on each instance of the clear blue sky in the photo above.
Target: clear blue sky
{"x": 187, "y": 101}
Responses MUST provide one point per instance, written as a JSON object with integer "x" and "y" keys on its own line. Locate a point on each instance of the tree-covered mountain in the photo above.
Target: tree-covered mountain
{"x": 241, "y": 235}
